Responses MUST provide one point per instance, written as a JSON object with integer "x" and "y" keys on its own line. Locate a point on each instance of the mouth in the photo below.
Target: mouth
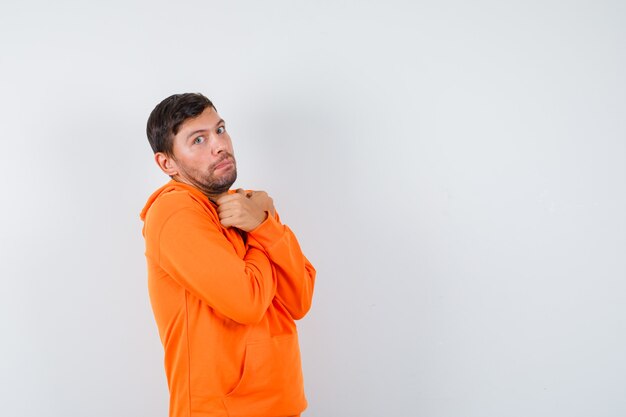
{"x": 224, "y": 164}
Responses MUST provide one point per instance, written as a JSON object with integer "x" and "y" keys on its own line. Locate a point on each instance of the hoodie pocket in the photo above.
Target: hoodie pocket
{"x": 271, "y": 383}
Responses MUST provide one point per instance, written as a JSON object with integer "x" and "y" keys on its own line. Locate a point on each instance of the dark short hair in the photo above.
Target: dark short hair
{"x": 167, "y": 117}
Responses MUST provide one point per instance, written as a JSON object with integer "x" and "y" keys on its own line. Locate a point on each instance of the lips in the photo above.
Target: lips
{"x": 223, "y": 164}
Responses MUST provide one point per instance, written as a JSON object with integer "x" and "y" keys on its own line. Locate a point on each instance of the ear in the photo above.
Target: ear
{"x": 166, "y": 163}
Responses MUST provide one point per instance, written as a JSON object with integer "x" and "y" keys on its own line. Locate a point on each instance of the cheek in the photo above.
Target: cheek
{"x": 189, "y": 160}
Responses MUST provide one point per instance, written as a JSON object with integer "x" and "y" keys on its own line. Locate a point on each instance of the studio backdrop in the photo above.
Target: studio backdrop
{"x": 454, "y": 170}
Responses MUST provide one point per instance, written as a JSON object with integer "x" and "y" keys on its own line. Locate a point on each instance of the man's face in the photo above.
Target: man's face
{"x": 203, "y": 153}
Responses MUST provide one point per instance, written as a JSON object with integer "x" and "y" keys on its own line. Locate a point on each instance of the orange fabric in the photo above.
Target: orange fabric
{"x": 225, "y": 304}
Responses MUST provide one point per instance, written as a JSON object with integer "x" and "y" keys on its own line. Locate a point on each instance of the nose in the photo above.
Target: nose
{"x": 219, "y": 145}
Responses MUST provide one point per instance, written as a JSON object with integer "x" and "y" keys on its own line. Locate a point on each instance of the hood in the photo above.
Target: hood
{"x": 172, "y": 185}
{"x": 162, "y": 190}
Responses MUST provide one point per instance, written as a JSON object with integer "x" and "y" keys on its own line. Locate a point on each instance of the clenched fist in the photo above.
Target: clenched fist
{"x": 263, "y": 200}
{"x": 241, "y": 211}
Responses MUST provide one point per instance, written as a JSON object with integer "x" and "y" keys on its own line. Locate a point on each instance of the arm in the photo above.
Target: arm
{"x": 295, "y": 274}
{"x": 253, "y": 212}
{"x": 194, "y": 252}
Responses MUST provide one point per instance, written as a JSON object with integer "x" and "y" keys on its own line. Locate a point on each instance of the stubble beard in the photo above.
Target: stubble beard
{"x": 210, "y": 184}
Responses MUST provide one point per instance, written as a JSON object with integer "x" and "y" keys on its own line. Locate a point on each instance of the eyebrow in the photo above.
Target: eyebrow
{"x": 195, "y": 132}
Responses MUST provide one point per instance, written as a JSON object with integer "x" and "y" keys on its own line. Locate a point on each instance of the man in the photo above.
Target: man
{"x": 226, "y": 278}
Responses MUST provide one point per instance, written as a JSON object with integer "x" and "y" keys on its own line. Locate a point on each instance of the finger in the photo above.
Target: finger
{"x": 230, "y": 205}
{"x": 225, "y": 206}
{"x": 226, "y": 222}
{"x": 227, "y": 198}
{"x": 227, "y": 213}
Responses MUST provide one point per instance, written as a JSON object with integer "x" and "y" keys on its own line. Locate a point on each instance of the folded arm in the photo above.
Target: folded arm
{"x": 195, "y": 253}
{"x": 295, "y": 276}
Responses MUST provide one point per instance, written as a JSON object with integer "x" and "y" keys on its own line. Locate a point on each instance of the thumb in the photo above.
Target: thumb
{"x": 244, "y": 192}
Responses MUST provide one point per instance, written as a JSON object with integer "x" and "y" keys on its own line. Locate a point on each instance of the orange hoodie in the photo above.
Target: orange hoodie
{"x": 225, "y": 304}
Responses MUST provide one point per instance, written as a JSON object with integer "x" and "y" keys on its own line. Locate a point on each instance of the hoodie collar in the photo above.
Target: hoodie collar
{"x": 173, "y": 185}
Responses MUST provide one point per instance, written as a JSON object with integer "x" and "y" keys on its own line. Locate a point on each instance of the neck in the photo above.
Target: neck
{"x": 210, "y": 194}
{"x": 214, "y": 197}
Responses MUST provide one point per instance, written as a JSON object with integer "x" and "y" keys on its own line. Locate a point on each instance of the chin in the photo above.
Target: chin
{"x": 228, "y": 179}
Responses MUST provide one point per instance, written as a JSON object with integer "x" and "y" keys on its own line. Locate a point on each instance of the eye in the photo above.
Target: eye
{"x": 198, "y": 140}
{"x": 221, "y": 130}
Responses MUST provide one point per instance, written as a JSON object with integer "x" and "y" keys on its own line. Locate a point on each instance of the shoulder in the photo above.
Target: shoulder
{"x": 177, "y": 203}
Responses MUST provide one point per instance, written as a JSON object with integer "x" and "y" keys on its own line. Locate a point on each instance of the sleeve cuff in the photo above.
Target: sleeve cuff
{"x": 268, "y": 233}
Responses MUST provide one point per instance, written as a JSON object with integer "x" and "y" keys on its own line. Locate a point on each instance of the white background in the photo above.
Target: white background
{"x": 455, "y": 171}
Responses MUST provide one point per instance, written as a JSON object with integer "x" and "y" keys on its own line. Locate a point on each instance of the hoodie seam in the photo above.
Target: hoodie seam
{"x": 188, "y": 353}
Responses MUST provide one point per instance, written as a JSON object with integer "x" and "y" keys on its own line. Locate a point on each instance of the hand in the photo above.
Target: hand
{"x": 263, "y": 200}
{"x": 240, "y": 211}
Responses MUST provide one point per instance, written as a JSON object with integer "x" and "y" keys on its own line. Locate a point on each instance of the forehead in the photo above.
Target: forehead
{"x": 206, "y": 120}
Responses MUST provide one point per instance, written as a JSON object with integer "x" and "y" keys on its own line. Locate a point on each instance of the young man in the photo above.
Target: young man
{"x": 226, "y": 278}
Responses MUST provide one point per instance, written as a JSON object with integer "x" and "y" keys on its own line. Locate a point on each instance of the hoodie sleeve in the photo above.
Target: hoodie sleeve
{"x": 295, "y": 274}
{"x": 194, "y": 252}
